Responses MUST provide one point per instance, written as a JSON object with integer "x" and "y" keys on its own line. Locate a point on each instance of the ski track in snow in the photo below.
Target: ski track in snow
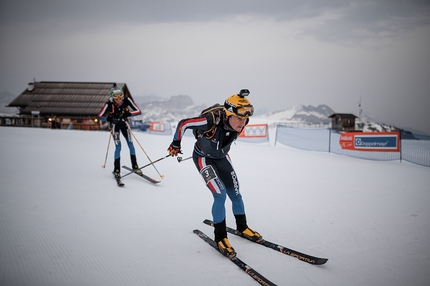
{"x": 63, "y": 220}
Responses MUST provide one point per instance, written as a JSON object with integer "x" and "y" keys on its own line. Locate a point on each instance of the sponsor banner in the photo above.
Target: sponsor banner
{"x": 160, "y": 128}
{"x": 255, "y": 133}
{"x": 370, "y": 141}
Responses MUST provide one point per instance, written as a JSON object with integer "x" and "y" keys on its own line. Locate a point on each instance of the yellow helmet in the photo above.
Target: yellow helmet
{"x": 238, "y": 105}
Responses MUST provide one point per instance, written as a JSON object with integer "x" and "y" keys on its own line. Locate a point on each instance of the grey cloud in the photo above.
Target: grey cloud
{"x": 357, "y": 19}
{"x": 373, "y": 19}
{"x": 160, "y": 11}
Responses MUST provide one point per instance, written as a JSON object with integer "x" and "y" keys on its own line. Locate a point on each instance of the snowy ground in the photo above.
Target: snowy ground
{"x": 63, "y": 220}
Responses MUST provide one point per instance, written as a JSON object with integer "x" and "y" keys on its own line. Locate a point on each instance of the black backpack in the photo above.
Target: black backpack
{"x": 216, "y": 112}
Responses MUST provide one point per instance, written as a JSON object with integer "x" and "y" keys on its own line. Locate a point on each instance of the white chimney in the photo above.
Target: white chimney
{"x": 30, "y": 86}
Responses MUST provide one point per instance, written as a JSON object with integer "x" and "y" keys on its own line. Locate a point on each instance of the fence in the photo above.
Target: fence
{"x": 416, "y": 151}
{"x": 46, "y": 122}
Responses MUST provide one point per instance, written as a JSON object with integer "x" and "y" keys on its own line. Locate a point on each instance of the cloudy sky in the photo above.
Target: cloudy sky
{"x": 287, "y": 52}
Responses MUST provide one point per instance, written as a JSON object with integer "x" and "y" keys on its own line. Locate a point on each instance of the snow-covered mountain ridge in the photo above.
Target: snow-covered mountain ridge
{"x": 169, "y": 110}
{"x": 178, "y": 107}
{"x": 302, "y": 113}
{"x": 181, "y": 106}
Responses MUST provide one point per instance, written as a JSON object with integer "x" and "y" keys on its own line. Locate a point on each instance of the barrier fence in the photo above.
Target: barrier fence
{"x": 415, "y": 151}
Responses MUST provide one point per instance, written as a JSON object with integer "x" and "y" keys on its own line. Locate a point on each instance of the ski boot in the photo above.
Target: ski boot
{"x": 135, "y": 166}
{"x": 223, "y": 245}
{"x": 137, "y": 170}
{"x": 116, "y": 174}
{"x": 245, "y": 231}
{"x": 225, "y": 248}
{"x": 251, "y": 234}
{"x": 117, "y": 168}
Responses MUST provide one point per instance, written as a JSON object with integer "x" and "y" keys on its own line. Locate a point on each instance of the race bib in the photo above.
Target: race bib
{"x": 208, "y": 174}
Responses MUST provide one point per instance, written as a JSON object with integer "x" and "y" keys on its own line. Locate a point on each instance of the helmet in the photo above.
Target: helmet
{"x": 116, "y": 92}
{"x": 238, "y": 105}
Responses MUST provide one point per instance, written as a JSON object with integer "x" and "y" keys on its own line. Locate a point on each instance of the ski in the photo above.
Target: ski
{"x": 242, "y": 265}
{"x": 118, "y": 181}
{"x": 154, "y": 181}
{"x": 152, "y": 163}
{"x": 288, "y": 251}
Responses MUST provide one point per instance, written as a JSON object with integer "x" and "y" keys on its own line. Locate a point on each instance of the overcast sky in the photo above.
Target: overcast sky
{"x": 286, "y": 52}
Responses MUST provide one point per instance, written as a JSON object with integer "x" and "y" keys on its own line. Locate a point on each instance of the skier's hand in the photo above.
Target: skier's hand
{"x": 174, "y": 148}
{"x": 125, "y": 113}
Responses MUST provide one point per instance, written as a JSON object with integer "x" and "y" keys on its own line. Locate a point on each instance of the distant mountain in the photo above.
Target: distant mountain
{"x": 316, "y": 116}
{"x": 182, "y": 106}
{"x": 173, "y": 109}
{"x": 146, "y": 98}
{"x": 302, "y": 113}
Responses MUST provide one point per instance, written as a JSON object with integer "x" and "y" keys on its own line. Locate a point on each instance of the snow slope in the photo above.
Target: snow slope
{"x": 63, "y": 220}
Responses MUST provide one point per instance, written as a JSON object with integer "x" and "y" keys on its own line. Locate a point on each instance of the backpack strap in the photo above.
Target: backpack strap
{"x": 216, "y": 118}
{"x": 216, "y": 113}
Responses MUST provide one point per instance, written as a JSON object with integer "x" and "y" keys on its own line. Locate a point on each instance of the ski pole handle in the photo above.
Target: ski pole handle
{"x": 180, "y": 159}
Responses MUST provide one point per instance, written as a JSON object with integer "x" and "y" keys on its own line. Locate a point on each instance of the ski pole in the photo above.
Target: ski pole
{"x": 146, "y": 165}
{"x": 152, "y": 163}
{"x": 107, "y": 151}
{"x": 180, "y": 159}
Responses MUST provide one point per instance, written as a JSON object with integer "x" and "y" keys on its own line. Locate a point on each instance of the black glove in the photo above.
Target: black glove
{"x": 174, "y": 148}
{"x": 109, "y": 118}
{"x": 125, "y": 113}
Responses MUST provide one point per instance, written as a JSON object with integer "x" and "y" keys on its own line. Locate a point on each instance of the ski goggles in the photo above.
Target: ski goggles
{"x": 117, "y": 95}
{"x": 244, "y": 111}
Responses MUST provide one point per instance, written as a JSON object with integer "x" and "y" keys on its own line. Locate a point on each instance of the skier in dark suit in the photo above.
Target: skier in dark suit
{"x": 215, "y": 131}
{"x": 118, "y": 109}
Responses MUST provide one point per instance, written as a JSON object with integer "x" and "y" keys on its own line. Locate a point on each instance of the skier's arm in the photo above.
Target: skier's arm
{"x": 201, "y": 123}
{"x": 188, "y": 123}
{"x": 135, "y": 109}
{"x": 103, "y": 111}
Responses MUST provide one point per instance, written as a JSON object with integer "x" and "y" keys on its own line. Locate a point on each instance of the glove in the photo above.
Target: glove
{"x": 125, "y": 113}
{"x": 174, "y": 148}
{"x": 109, "y": 118}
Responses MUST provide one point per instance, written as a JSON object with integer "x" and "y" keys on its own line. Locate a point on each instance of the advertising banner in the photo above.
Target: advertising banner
{"x": 370, "y": 141}
{"x": 156, "y": 126}
{"x": 255, "y": 133}
{"x": 160, "y": 128}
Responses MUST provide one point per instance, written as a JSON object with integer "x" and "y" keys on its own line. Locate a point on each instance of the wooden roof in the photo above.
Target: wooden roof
{"x": 65, "y": 98}
{"x": 343, "y": 115}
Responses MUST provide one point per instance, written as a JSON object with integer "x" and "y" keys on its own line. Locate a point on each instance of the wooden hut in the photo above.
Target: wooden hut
{"x": 63, "y": 104}
{"x": 343, "y": 121}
